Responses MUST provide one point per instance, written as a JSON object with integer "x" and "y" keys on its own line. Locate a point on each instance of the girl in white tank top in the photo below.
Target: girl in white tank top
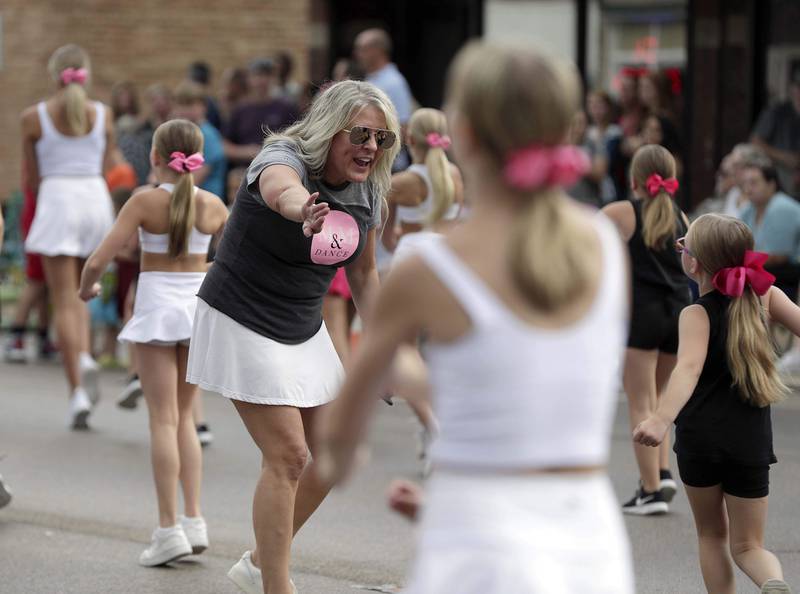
{"x": 524, "y": 309}
{"x": 65, "y": 142}
{"x": 175, "y": 222}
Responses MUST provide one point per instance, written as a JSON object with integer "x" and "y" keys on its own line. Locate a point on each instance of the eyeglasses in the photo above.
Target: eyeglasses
{"x": 680, "y": 247}
{"x": 361, "y": 134}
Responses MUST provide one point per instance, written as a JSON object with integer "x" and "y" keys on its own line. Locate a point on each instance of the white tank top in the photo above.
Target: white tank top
{"x": 58, "y": 154}
{"x": 511, "y": 396}
{"x": 419, "y": 214}
{"x": 158, "y": 243}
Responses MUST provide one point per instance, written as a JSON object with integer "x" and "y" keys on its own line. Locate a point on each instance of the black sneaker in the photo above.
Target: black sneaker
{"x": 646, "y": 504}
{"x": 5, "y": 493}
{"x": 668, "y": 486}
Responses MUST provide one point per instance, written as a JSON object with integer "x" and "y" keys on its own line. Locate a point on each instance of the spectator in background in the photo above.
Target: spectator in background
{"x": 200, "y": 73}
{"x": 659, "y": 130}
{"x": 234, "y": 91}
{"x": 589, "y": 188}
{"x": 774, "y": 219}
{"x": 191, "y": 104}
{"x": 261, "y": 115}
{"x": 347, "y": 69}
{"x": 630, "y": 119}
{"x": 777, "y": 133}
{"x": 159, "y": 100}
{"x": 742, "y": 154}
{"x": 605, "y": 133}
{"x": 286, "y": 88}
{"x": 132, "y": 138}
{"x": 372, "y": 50}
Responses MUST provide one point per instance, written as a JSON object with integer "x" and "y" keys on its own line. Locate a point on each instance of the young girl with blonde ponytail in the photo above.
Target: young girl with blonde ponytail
{"x": 650, "y": 223}
{"x": 66, "y": 141}
{"x": 429, "y": 194}
{"x": 175, "y": 222}
{"x": 719, "y": 397}
{"x": 523, "y": 308}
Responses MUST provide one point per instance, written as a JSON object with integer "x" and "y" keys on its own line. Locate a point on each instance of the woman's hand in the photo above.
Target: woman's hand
{"x": 336, "y": 460}
{"x": 89, "y": 294}
{"x": 313, "y": 215}
{"x": 406, "y": 498}
{"x": 651, "y": 431}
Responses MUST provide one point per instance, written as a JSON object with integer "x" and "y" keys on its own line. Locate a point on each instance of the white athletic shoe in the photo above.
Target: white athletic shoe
{"x": 80, "y": 407}
{"x": 775, "y": 586}
{"x": 90, "y": 376}
{"x": 248, "y": 577}
{"x": 129, "y": 397}
{"x": 196, "y": 533}
{"x": 167, "y": 545}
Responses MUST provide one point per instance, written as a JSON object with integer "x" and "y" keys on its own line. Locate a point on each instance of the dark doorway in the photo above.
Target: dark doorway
{"x": 426, "y": 36}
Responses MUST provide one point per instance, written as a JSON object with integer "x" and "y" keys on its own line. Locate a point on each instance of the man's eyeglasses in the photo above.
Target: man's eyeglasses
{"x": 680, "y": 247}
{"x": 360, "y": 135}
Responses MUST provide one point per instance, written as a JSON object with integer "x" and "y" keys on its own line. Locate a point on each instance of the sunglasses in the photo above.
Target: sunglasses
{"x": 361, "y": 134}
{"x": 680, "y": 247}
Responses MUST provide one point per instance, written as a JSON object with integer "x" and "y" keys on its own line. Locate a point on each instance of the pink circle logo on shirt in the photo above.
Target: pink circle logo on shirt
{"x": 337, "y": 241}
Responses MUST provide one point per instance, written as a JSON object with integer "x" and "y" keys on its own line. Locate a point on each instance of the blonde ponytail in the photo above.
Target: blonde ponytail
{"x": 751, "y": 357}
{"x": 442, "y": 186}
{"x": 181, "y": 216}
{"x": 659, "y": 224}
{"x": 548, "y": 252}
{"x": 75, "y": 109}
{"x": 74, "y": 57}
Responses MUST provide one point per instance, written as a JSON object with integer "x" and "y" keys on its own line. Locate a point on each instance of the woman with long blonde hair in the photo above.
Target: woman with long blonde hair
{"x": 719, "y": 398}
{"x": 175, "y": 222}
{"x": 310, "y": 203}
{"x": 650, "y": 223}
{"x": 527, "y": 290}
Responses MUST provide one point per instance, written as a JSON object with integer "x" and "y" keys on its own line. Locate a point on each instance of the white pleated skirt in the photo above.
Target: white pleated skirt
{"x": 238, "y": 363}
{"x": 73, "y": 214}
{"x": 163, "y": 312}
{"x": 521, "y": 534}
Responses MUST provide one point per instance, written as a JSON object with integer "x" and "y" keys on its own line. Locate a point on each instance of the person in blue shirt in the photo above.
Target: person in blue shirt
{"x": 190, "y": 104}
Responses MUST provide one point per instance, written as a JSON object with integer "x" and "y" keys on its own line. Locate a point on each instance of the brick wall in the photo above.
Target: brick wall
{"x": 145, "y": 41}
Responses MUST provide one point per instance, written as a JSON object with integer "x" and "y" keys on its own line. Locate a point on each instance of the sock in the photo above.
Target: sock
{"x": 86, "y": 360}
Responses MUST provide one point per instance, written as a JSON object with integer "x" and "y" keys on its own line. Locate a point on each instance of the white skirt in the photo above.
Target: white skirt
{"x": 163, "y": 312}
{"x": 241, "y": 364}
{"x": 521, "y": 534}
{"x": 73, "y": 214}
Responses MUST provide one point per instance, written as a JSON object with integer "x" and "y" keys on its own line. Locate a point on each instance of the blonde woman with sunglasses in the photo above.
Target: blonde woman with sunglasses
{"x": 311, "y": 202}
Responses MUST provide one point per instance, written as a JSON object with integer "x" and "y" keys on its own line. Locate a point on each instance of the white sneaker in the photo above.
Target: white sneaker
{"x": 775, "y": 586}
{"x": 80, "y": 407}
{"x": 167, "y": 545}
{"x": 129, "y": 397}
{"x": 5, "y": 493}
{"x": 248, "y": 577}
{"x": 90, "y": 375}
{"x": 196, "y": 533}
{"x": 789, "y": 364}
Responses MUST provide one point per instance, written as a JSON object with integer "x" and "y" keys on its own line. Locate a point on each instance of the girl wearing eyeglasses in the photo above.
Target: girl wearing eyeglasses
{"x": 310, "y": 203}
{"x": 650, "y": 223}
{"x": 719, "y": 398}
{"x": 523, "y": 306}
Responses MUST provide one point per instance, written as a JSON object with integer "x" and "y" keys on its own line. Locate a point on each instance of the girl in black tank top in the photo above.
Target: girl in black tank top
{"x": 719, "y": 397}
{"x": 650, "y": 224}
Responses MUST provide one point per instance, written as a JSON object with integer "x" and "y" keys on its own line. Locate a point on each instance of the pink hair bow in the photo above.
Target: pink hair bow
{"x": 436, "y": 140}
{"x": 537, "y": 166}
{"x": 74, "y": 75}
{"x": 655, "y": 182}
{"x": 731, "y": 281}
{"x": 183, "y": 164}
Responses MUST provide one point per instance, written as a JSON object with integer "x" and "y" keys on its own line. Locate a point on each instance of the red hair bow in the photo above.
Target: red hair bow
{"x": 655, "y": 182}
{"x": 731, "y": 281}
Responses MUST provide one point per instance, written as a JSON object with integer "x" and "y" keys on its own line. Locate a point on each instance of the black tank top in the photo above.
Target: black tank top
{"x": 716, "y": 425}
{"x": 657, "y": 270}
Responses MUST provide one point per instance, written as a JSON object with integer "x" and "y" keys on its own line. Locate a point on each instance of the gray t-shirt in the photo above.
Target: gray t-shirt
{"x": 267, "y": 275}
